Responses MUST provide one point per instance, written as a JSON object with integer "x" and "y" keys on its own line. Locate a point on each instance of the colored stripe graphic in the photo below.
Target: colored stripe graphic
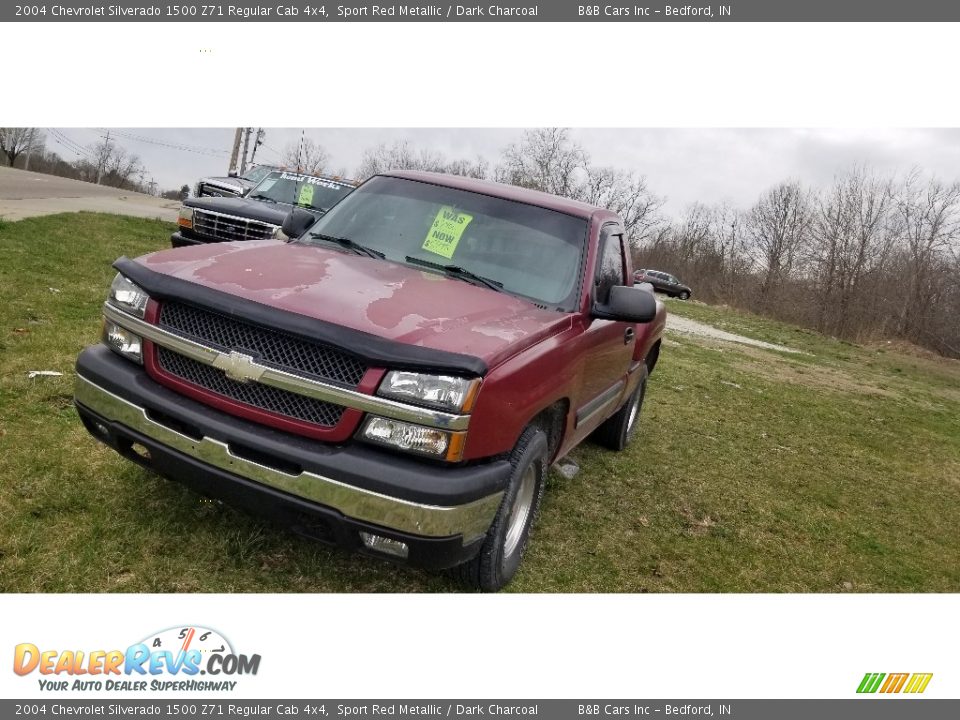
{"x": 894, "y": 683}
{"x": 870, "y": 682}
{"x": 918, "y": 683}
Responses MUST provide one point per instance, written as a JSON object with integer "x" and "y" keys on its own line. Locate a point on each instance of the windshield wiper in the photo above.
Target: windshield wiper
{"x": 349, "y": 244}
{"x": 458, "y": 272}
{"x": 262, "y": 197}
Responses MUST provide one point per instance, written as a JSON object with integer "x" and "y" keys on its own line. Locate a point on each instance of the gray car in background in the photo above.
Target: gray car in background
{"x": 663, "y": 282}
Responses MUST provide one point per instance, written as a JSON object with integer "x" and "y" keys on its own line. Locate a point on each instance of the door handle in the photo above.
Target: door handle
{"x": 628, "y": 335}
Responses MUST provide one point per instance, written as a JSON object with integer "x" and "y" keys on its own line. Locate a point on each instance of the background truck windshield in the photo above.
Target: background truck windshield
{"x": 533, "y": 252}
{"x": 303, "y": 190}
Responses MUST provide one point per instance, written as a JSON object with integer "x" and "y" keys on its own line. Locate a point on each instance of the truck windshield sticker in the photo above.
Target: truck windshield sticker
{"x": 306, "y": 195}
{"x": 322, "y": 182}
{"x": 445, "y": 232}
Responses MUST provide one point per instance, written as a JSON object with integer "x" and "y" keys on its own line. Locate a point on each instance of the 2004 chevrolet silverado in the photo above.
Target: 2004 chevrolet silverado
{"x": 394, "y": 378}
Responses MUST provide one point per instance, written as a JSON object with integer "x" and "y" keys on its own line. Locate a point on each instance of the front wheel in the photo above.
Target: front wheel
{"x": 618, "y": 430}
{"x": 502, "y": 550}
{"x": 684, "y": 295}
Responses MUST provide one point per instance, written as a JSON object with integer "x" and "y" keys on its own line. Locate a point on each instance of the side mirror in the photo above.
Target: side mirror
{"x": 296, "y": 222}
{"x": 628, "y": 304}
{"x": 233, "y": 173}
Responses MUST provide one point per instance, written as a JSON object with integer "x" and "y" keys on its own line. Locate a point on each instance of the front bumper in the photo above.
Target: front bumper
{"x": 330, "y": 493}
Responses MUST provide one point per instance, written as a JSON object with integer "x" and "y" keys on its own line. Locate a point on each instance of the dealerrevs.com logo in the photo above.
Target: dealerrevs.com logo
{"x": 176, "y": 659}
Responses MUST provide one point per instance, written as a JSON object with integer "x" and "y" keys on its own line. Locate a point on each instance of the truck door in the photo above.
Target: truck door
{"x": 608, "y": 344}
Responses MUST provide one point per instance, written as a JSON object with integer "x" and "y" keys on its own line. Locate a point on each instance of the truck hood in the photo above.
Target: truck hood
{"x": 391, "y": 301}
{"x": 268, "y": 212}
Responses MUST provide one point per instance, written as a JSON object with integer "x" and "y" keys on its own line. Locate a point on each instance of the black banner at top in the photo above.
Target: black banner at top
{"x": 522, "y": 11}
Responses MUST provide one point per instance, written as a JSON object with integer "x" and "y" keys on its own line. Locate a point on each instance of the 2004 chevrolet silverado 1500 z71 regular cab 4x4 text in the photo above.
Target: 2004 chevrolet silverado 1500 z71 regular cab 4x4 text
{"x": 394, "y": 378}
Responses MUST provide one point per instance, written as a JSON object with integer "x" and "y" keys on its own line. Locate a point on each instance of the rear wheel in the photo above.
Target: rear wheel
{"x": 617, "y": 431}
{"x": 506, "y": 541}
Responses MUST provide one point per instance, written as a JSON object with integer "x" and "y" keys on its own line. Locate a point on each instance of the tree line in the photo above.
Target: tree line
{"x": 106, "y": 162}
{"x": 868, "y": 257}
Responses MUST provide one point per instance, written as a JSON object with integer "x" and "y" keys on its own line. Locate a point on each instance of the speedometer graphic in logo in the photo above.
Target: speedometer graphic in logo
{"x": 185, "y": 638}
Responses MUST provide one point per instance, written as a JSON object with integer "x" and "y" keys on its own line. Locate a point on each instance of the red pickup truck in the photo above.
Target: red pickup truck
{"x": 394, "y": 378}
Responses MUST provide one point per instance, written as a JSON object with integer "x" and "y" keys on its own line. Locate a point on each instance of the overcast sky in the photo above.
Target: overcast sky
{"x": 683, "y": 165}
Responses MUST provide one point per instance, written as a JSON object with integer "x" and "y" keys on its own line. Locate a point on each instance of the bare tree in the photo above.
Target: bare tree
{"x": 16, "y": 141}
{"x": 306, "y": 156}
{"x": 478, "y": 168}
{"x": 401, "y": 155}
{"x": 777, "y": 227}
{"x": 852, "y": 235}
{"x": 121, "y": 167}
{"x": 929, "y": 217}
{"x": 545, "y": 159}
{"x": 626, "y": 194}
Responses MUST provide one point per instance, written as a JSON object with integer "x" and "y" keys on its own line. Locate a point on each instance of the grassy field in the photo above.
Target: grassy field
{"x": 837, "y": 471}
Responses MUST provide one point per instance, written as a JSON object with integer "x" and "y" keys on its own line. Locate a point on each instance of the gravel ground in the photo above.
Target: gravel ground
{"x": 686, "y": 326}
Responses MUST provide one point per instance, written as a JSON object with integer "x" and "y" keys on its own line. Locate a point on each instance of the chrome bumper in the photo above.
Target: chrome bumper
{"x": 470, "y": 520}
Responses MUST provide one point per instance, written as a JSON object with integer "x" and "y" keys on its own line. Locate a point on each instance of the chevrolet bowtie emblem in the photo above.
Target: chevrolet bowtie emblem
{"x": 238, "y": 367}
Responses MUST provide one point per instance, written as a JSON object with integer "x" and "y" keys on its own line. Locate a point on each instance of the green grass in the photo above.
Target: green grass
{"x": 752, "y": 470}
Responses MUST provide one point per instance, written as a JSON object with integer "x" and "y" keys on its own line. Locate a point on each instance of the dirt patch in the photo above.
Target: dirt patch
{"x": 903, "y": 347}
{"x": 825, "y": 378}
{"x": 697, "y": 523}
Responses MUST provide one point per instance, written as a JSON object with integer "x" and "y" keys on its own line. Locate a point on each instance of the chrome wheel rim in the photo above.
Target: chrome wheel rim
{"x": 520, "y": 512}
{"x": 634, "y": 411}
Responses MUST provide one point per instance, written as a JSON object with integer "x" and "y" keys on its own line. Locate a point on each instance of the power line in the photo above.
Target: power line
{"x": 71, "y": 145}
{"x": 62, "y": 139}
{"x": 196, "y": 149}
{"x": 271, "y": 149}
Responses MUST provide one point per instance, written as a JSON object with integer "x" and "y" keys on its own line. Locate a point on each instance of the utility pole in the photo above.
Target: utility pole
{"x": 103, "y": 158}
{"x": 246, "y": 143}
{"x": 26, "y": 163}
{"x": 257, "y": 143}
{"x": 236, "y": 150}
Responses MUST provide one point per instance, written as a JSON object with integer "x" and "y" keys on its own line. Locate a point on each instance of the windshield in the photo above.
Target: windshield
{"x": 258, "y": 173}
{"x": 303, "y": 190}
{"x": 530, "y": 251}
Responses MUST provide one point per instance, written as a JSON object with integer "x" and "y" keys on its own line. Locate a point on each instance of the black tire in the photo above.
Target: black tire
{"x": 501, "y": 553}
{"x": 684, "y": 295}
{"x": 618, "y": 430}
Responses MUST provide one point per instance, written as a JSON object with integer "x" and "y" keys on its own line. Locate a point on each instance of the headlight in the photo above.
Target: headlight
{"x": 122, "y": 341}
{"x": 128, "y": 296}
{"x": 440, "y": 444}
{"x": 444, "y": 392}
{"x": 185, "y": 218}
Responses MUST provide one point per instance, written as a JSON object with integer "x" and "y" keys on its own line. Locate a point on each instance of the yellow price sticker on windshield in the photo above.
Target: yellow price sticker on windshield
{"x": 445, "y": 232}
{"x": 306, "y": 195}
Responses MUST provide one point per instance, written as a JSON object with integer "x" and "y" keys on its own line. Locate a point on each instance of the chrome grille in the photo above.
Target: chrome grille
{"x": 269, "y": 347}
{"x": 215, "y": 191}
{"x": 260, "y": 396}
{"x": 225, "y": 228}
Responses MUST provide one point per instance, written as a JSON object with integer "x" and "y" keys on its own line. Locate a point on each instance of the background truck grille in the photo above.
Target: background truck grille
{"x": 260, "y": 396}
{"x": 225, "y": 228}
{"x": 269, "y": 347}
{"x": 205, "y": 190}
